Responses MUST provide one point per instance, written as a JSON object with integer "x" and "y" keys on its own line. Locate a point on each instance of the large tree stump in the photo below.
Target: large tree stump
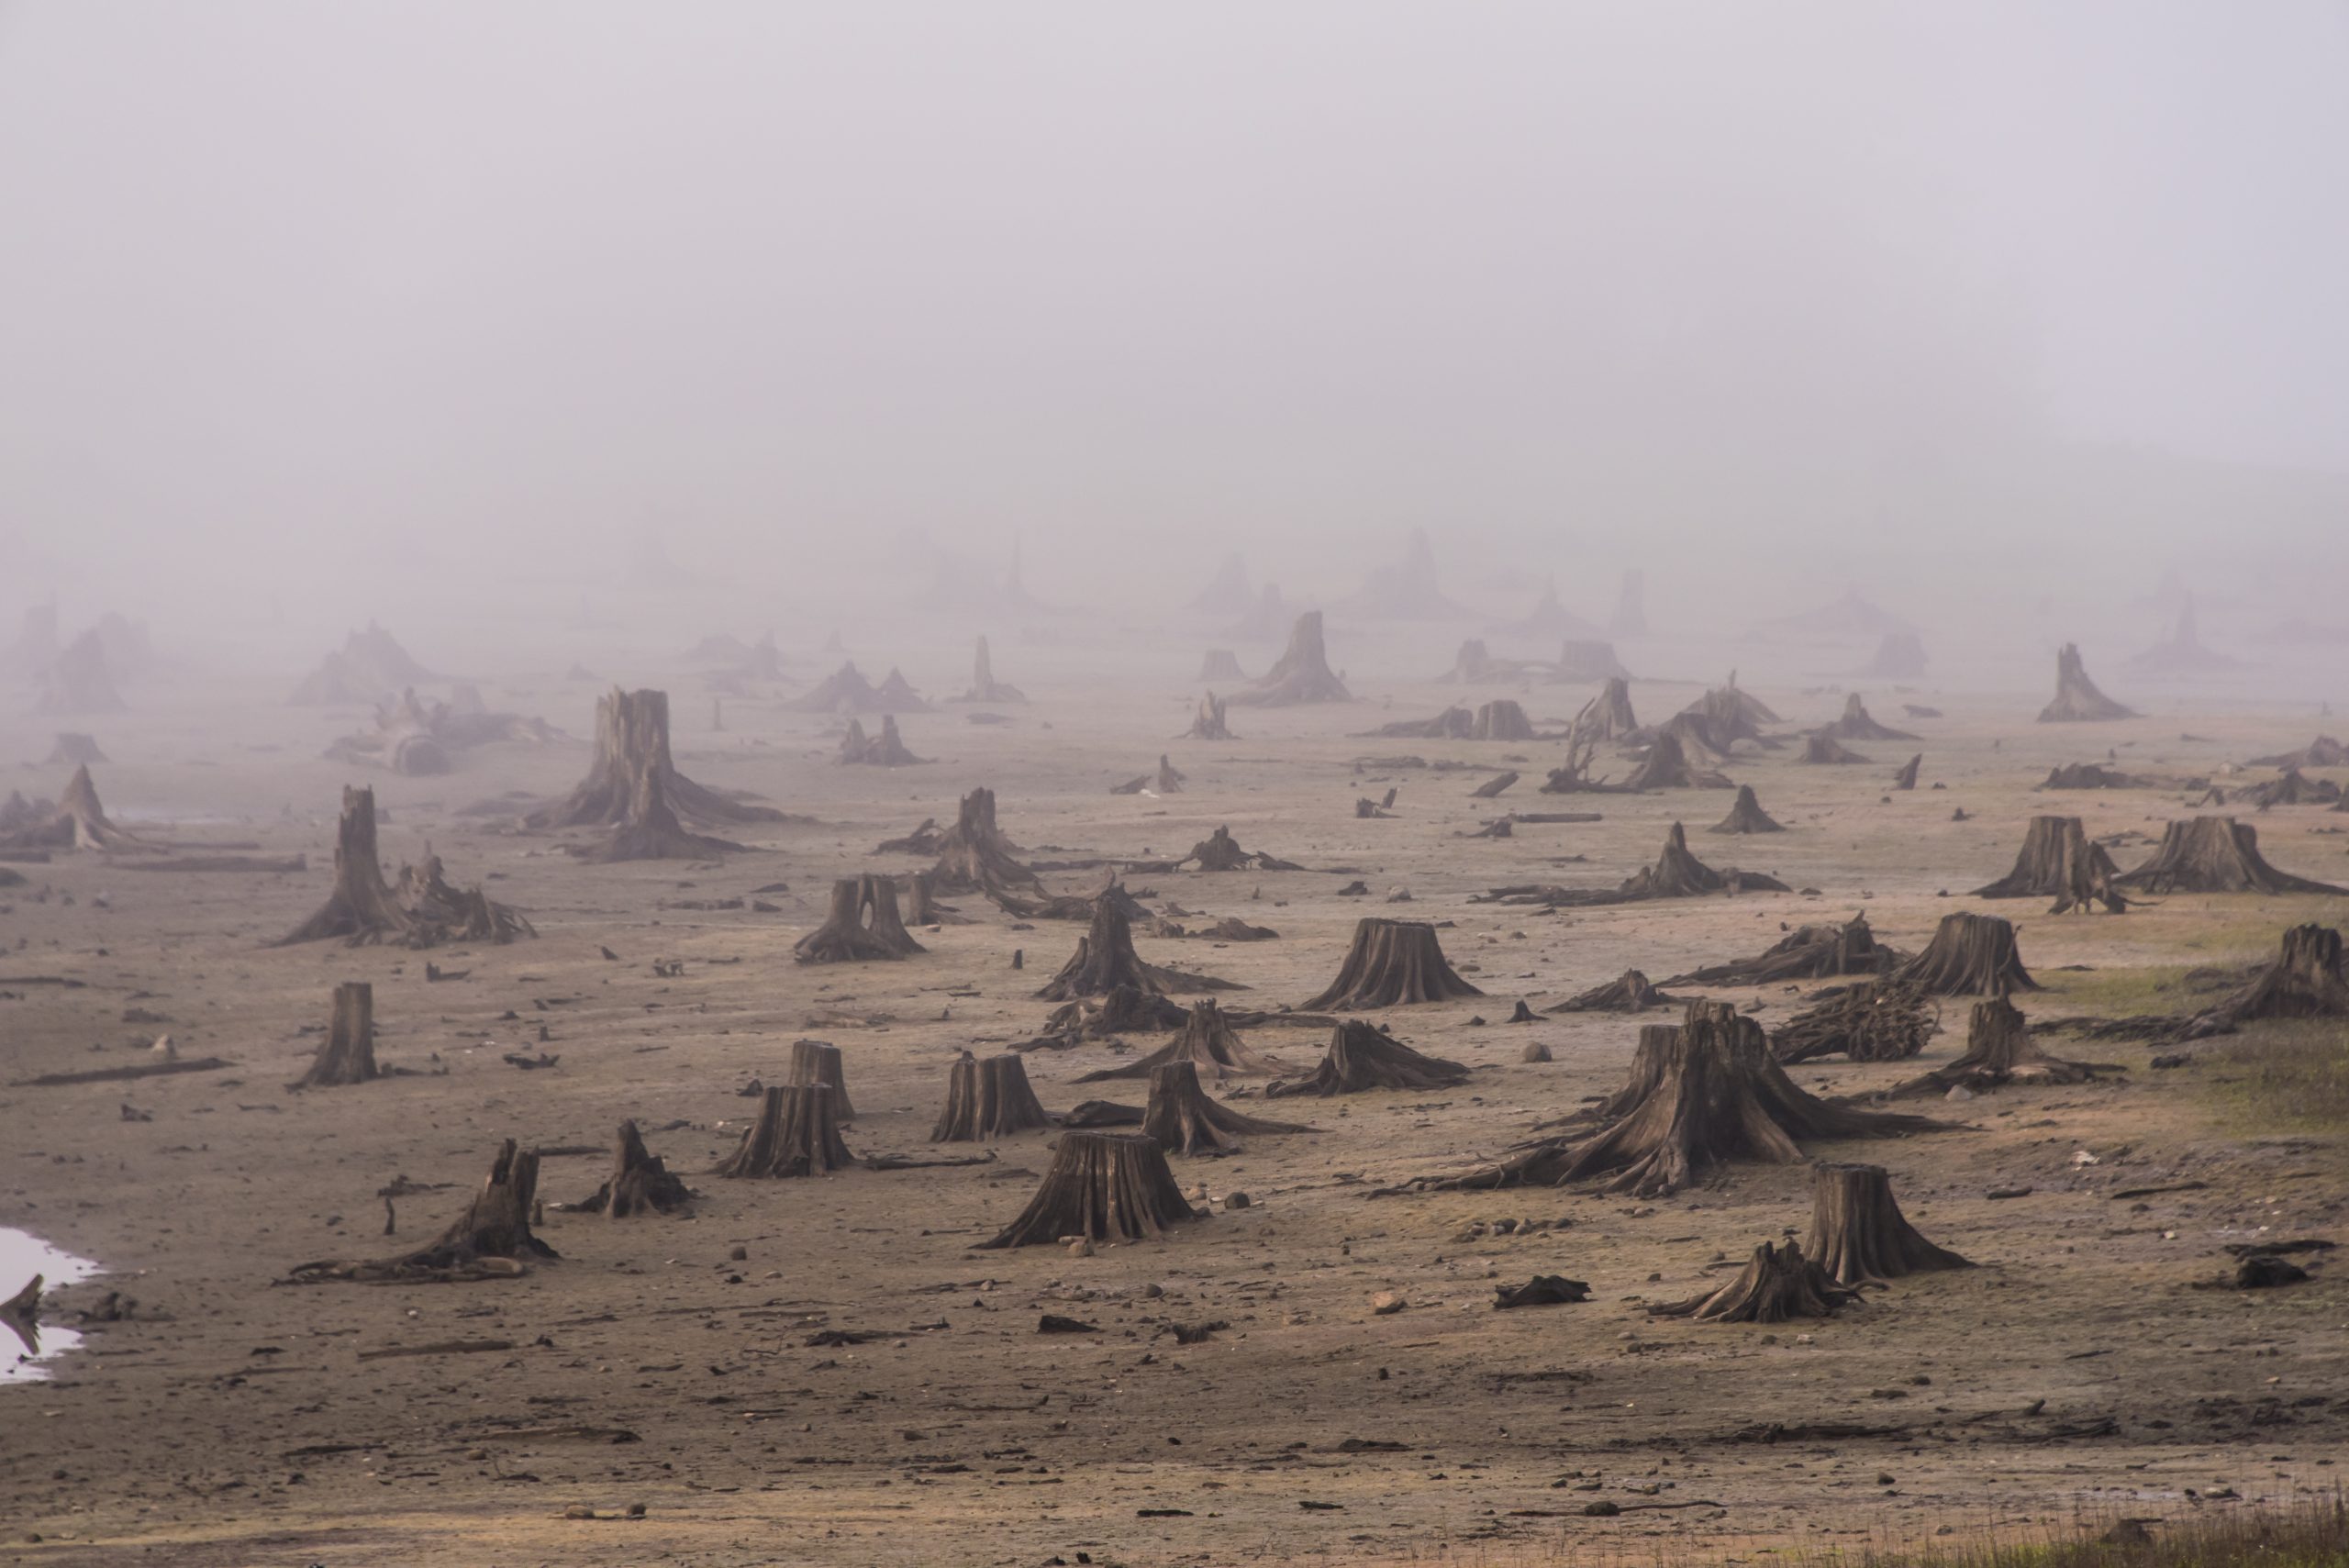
{"x": 797, "y": 1133}
{"x": 2214, "y": 854}
{"x": 2058, "y": 860}
{"x": 985, "y": 687}
{"x": 639, "y": 1183}
{"x": 1858, "y": 1235}
{"x": 1970, "y": 955}
{"x": 1631, "y": 993}
{"x": 2077, "y": 699}
{"x": 1208, "y": 1042}
{"x": 1809, "y": 952}
{"x": 1102, "y": 1187}
{"x": 1875, "y": 1020}
{"x": 1392, "y": 962}
{"x": 1501, "y": 719}
{"x": 1999, "y": 1052}
{"x": 1361, "y": 1058}
{"x": 1209, "y": 724}
{"x": 887, "y": 749}
{"x": 862, "y": 925}
{"x": 1777, "y": 1285}
{"x": 988, "y": 1099}
{"x": 974, "y": 856}
{"x": 1302, "y": 675}
{"x": 818, "y": 1061}
{"x": 1701, "y": 1097}
{"x": 77, "y": 821}
{"x": 1746, "y": 815}
{"x": 361, "y": 909}
{"x": 1184, "y": 1120}
{"x": 633, "y": 775}
{"x": 491, "y": 1238}
{"x": 1855, "y": 724}
{"x": 348, "y": 1053}
{"x": 2308, "y": 980}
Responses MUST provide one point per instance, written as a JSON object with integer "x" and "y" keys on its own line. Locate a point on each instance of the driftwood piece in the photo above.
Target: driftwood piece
{"x": 1102, "y": 1187}
{"x": 1630, "y": 994}
{"x": 162, "y": 1069}
{"x": 1746, "y": 815}
{"x": 2091, "y": 775}
{"x": 1875, "y": 1020}
{"x": 2058, "y": 860}
{"x": 818, "y": 1062}
{"x": 1777, "y": 1285}
{"x": 492, "y": 1238}
{"x": 988, "y": 1099}
{"x": 1542, "y": 1290}
{"x": 1858, "y": 1235}
{"x": 796, "y": 1133}
{"x": 1184, "y": 1120}
{"x": 2076, "y": 698}
{"x": 2214, "y": 854}
{"x": 1208, "y": 1042}
{"x": 348, "y": 1053}
{"x": 1999, "y": 1052}
{"x": 1970, "y": 955}
{"x": 862, "y": 925}
{"x": 641, "y": 1182}
{"x": 1302, "y": 675}
{"x": 2308, "y": 980}
{"x": 1493, "y": 786}
{"x": 1220, "y": 852}
{"x": 1390, "y": 963}
{"x": 1361, "y": 1058}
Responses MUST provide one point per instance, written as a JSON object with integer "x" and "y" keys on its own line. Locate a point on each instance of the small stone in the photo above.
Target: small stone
{"x": 1387, "y": 1302}
{"x": 1237, "y": 1200}
{"x": 739, "y": 1254}
{"x": 1080, "y": 1248}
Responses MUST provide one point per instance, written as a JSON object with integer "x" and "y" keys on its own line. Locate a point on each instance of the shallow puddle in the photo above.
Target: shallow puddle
{"x": 26, "y": 1354}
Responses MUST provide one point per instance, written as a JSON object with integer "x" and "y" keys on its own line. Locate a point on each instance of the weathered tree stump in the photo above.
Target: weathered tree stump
{"x": 1630, "y": 616}
{"x": 1854, "y": 724}
{"x": 2058, "y": 860}
{"x": 1810, "y": 953}
{"x": 1607, "y": 716}
{"x": 988, "y": 1099}
{"x": 639, "y": 1183}
{"x": 1185, "y": 1121}
{"x": 1970, "y": 955}
{"x": 1102, "y": 1187}
{"x": 1104, "y": 960}
{"x": 80, "y": 679}
{"x": 348, "y": 1053}
{"x": 974, "y": 856}
{"x": 1631, "y": 993}
{"x": 1999, "y": 1052}
{"x": 1219, "y": 851}
{"x": 1899, "y": 656}
{"x": 863, "y": 925}
{"x": 77, "y": 821}
{"x": 887, "y": 749}
{"x": 818, "y": 1061}
{"x": 985, "y": 687}
{"x": 1825, "y": 748}
{"x": 796, "y": 1133}
{"x": 2077, "y": 699}
{"x": 1219, "y": 664}
{"x": 1875, "y": 1020}
{"x": 1667, "y": 766}
{"x": 1392, "y": 962}
{"x": 361, "y": 909}
{"x": 633, "y": 777}
{"x": 1302, "y": 675}
{"x": 443, "y": 913}
{"x": 2308, "y": 980}
{"x": 1208, "y": 1042}
{"x": 1858, "y": 1235}
{"x": 1361, "y": 1058}
{"x": 1778, "y": 1285}
{"x": 1678, "y": 873}
{"x": 21, "y": 1312}
{"x": 76, "y": 750}
{"x": 1122, "y": 1010}
{"x": 1209, "y": 724}
{"x": 491, "y": 1238}
{"x": 1905, "y": 777}
{"x": 1501, "y": 719}
{"x": 1746, "y": 815}
{"x": 2214, "y": 854}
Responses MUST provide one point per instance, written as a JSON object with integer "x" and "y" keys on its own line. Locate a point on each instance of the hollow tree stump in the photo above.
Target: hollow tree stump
{"x": 1102, "y": 1187}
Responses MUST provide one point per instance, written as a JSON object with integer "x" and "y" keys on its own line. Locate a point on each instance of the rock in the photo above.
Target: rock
{"x": 1236, "y": 1200}
{"x": 1536, "y": 1051}
{"x": 1387, "y": 1302}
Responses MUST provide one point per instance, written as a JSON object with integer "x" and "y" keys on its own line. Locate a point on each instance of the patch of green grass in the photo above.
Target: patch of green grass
{"x": 2285, "y": 1074}
{"x": 2122, "y": 992}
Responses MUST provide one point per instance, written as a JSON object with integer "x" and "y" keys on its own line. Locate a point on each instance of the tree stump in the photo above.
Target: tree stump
{"x": 445, "y": 914}
{"x": 1630, "y": 616}
{"x": 2058, "y": 860}
{"x": 988, "y": 1100}
{"x": 1998, "y": 1050}
{"x": 1905, "y": 777}
{"x": 1607, "y": 717}
{"x": 1501, "y": 719}
{"x": 1899, "y": 656}
{"x": 1208, "y": 1042}
{"x": 2214, "y": 854}
{"x": 1875, "y": 1020}
{"x": 1855, "y": 724}
{"x": 1666, "y": 766}
{"x": 361, "y": 909}
{"x": 1361, "y": 1058}
{"x": 1777, "y": 1285}
{"x": 1219, "y": 851}
{"x": 75, "y": 749}
{"x": 862, "y": 925}
{"x": 1817, "y": 748}
{"x": 21, "y": 1312}
{"x": 818, "y": 1062}
{"x": 1209, "y": 724}
{"x": 347, "y": 1054}
{"x": 1102, "y": 1187}
{"x": 1629, "y": 994}
{"x": 1185, "y": 1121}
{"x": 1810, "y": 953}
{"x": 2308, "y": 980}
{"x": 1219, "y": 664}
{"x": 1678, "y": 873}
{"x": 639, "y": 1183}
{"x": 1970, "y": 955}
{"x": 974, "y": 856}
{"x": 1746, "y": 815}
{"x": 1122, "y": 1010}
{"x": 1701, "y": 1096}
{"x": 887, "y": 749}
{"x": 797, "y": 1133}
{"x": 2077, "y": 699}
{"x": 1858, "y": 1235}
{"x": 491, "y": 1238}
{"x": 922, "y": 907}
{"x": 1302, "y": 675}
{"x": 1167, "y": 780}
{"x": 985, "y": 687}
{"x": 1392, "y": 962}
{"x": 77, "y": 821}
{"x": 632, "y": 774}
{"x": 1104, "y": 960}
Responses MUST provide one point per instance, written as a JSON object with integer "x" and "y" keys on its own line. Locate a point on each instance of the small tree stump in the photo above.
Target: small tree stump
{"x": 1777, "y": 1285}
{"x": 1361, "y": 1058}
{"x": 2076, "y": 698}
{"x": 1631, "y": 993}
{"x": 988, "y": 1099}
{"x": 796, "y": 1133}
{"x": 1185, "y": 1122}
{"x": 1746, "y": 815}
{"x": 1392, "y": 962}
{"x": 639, "y": 1183}
{"x": 1209, "y": 723}
{"x": 1810, "y": 953}
{"x": 1999, "y": 1050}
{"x": 348, "y": 1053}
{"x": 1102, "y": 1187}
{"x": 2308, "y": 980}
{"x": 491, "y": 1238}
{"x": 862, "y": 925}
{"x": 1858, "y": 1235}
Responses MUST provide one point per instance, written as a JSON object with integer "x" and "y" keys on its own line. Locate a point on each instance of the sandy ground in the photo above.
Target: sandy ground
{"x": 231, "y": 1419}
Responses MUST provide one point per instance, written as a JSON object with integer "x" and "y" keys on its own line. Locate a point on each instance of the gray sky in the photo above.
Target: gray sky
{"x": 307, "y": 284}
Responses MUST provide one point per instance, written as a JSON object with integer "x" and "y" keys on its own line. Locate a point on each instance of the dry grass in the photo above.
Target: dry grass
{"x": 2305, "y": 1535}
